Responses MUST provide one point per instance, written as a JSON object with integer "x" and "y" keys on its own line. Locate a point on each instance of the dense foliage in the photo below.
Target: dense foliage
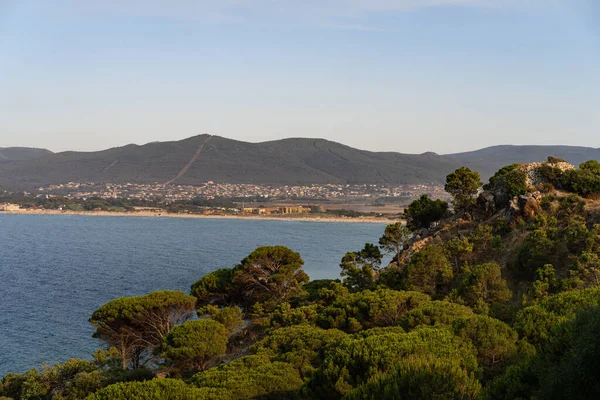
{"x": 463, "y": 184}
{"x": 506, "y": 307}
{"x": 423, "y": 212}
{"x": 511, "y": 179}
{"x": 585, "y": 180}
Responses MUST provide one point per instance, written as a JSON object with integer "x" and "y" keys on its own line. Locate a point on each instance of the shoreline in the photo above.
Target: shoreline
{"x": 147, "y": 214}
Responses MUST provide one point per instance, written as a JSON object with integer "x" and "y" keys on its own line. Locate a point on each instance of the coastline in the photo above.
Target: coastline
{"x": 148, "y": 214}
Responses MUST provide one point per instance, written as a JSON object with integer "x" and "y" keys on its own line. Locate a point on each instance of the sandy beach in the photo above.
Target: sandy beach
{"x": 307, "y": 218}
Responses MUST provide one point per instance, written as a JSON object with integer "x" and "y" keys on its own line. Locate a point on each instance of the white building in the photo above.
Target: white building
{"x": 9, "y": 207}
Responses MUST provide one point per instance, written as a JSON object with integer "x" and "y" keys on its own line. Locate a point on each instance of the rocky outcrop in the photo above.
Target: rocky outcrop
{"x": 534, "y": 177}
{"x": 491, "y": 201}
{"x": 526, "y": 206}
{"x": 497, "y": 199}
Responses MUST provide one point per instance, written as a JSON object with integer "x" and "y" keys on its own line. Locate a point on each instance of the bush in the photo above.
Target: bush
{"x": 519, "y": 381}
{"x": 515, "y": 183}
{"x": 483, "y": 288}
{"x": 192, "y": 345}
{"x": 495, "y": 180}
{"x": 357, "y": 360}
{"x": 285, "y": 315}
{"x": 368, "y": 309}
{"x": 435, "y": 313}
{"x": 535, "y": 323}
{"x": 551, "y": 174}
{"x": 420, "y": 378}
{"x": 573, "y": 373}
{"x": 230, "y": 317}
{"x": 555, "y": 160}
{"x": 314, "y": 287}
{"x": 158, "y": 389}
{"x": 72, "y": 380}
{"x": 428, "y": 271}
{"x": 301, "y": 346}
{"x": 584, "y": 181}
{"x": 423, "y": 212}
{"x": 252, "y": 377}
{"x": 495, "y": 341}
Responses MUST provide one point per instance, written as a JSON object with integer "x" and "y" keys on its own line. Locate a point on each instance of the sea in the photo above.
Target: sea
{"x": 55, "y": 270}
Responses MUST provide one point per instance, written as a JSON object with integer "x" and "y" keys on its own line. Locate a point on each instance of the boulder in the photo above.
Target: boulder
{"x": 487, "y": 203}
{"x": 529, "y": 204}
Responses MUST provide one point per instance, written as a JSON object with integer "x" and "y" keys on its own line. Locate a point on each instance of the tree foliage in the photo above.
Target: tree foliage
{"x": 301, "y": 346}
{"x": 423, "y": 212}
{"x": 482, "y": 287}
{"x": 360, "y": 268}
{"x": 368, "y": 309}
{"x": 252, "y": 377}
{"x": 354, "y": 361}
{"x": 270, "y": 275}
{"x": 420, "y": 378}
{"x": 428, "y": 271}
{"x": 158, "y": 389}
{"x": 216, "y": 288}
{"x": 395, "y": 238}
{"x": 463, "y": 184}
{"x": 137, "y": 325}
{"x": 191, "y": 345}
{"x": 585, "y": 180}
{"x": 435, "y": 313}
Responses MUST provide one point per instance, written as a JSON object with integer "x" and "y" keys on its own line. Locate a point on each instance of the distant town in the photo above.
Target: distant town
{"x": 211, "y": 198}
{"x": 212, "y": 190}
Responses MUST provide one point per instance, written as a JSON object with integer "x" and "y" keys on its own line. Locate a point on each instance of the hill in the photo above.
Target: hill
{"x": 490, "y": 159}
{"x": 482, "y": 303}
{"x": 21, "y": 153}
{"x": 288, "y": 161}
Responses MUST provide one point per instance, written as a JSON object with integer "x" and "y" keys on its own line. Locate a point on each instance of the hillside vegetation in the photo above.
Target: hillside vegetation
{"x": 496, "y": 296}
{"x": 290, "y": 161}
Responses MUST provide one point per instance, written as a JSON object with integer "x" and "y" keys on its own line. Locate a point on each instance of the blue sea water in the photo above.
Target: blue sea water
{"x": 55, "y": 270}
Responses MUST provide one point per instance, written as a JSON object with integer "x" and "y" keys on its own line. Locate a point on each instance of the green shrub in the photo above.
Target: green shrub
{"x": 572, "y": 372}
{"x": 495, "y": 180}
{"x": 302, "y": 346}
{"x": 423, "y": 212}
{"x": 519, "y": 382}
{"x": 585, "y": 180}
{"x": 551, "y": 174}
{"x": 252, "y": 377}
{"x": 356, "y": 360}
{"x": 284, "y": 315}
{"x": 482, "y": 288}
{"x": 230, "y": 317}
{"x": 435, "y": 313}
{"x": 535, "y": 323}
{"x": 314, "y": 287}
{"x": 72, "y": 380}
{"x": 495, "y": 341}
{"x": 428, "y": 271}
{"x": 420, "y": 378}
{"x": 515, "y": 183}
{"x": 158, "y": 389}
{"x": 191, "y": 345}
{"x": 368, "y": 309}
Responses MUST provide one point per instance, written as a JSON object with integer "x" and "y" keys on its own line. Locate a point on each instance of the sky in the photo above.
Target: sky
{"x": 383, "y": 75}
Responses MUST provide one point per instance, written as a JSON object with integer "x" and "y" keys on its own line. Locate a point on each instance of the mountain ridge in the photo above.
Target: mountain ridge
{"x": 207, "y": 157}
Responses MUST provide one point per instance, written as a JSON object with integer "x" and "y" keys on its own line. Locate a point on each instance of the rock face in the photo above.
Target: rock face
{"x": 532, "y": 171}
{"x": 526, "y": 205}
{"x": 492, "y": 201}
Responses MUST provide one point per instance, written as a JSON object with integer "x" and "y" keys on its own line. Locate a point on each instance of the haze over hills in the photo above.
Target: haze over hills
{"x": 288, "y": 161}
{"x": 22, "y": 153}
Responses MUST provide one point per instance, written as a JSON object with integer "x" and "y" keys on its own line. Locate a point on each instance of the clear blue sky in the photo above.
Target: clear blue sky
{"x": 399, "y": 75}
